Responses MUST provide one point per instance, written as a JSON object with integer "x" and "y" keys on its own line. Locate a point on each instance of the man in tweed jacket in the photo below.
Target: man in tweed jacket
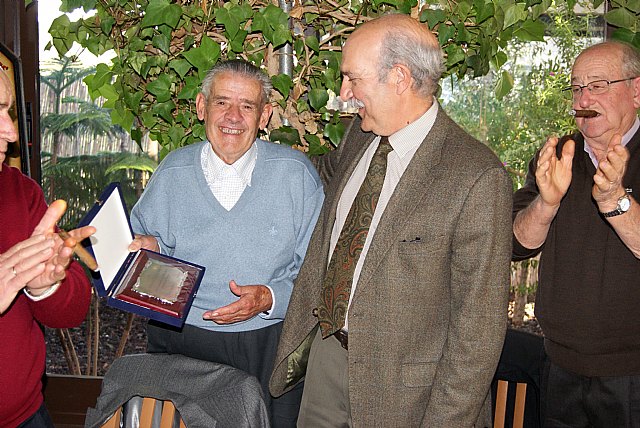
{"x": 427, "y": 312}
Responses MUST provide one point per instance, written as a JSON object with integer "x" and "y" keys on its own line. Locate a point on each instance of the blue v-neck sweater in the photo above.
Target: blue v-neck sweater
{"x": 261, "y": 240}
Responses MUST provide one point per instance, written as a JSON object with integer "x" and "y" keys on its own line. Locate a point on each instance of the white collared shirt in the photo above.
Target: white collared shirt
{"x": 405, "y": 143}
{"x": 227, "y": 182}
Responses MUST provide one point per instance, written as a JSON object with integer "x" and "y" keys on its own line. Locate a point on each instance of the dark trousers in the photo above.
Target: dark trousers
{"x": 578, "y": 401}
{"x": 40, "y": 419}
{"x": 251, "y": 351}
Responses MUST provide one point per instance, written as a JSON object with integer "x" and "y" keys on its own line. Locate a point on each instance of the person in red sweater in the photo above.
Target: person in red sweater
{"x": 39, "y": 283}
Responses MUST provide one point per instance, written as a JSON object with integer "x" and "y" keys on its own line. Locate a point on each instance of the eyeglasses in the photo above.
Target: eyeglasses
{"x": 596, "y": 87}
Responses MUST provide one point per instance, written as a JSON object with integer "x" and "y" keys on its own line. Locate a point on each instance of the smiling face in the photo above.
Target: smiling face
{"x": 360, "y": 80}
{"x": 8, "y": 132}
{"x": 616, "y": 107}
{"x": 233, "y": 114}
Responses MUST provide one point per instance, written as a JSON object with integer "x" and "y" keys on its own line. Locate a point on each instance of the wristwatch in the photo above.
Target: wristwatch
{"x": 624, "y": 203}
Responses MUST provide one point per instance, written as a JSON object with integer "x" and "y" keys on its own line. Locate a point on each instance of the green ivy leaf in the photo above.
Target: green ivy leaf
{"x": 462, "y": 9}
{"x": 161, "y": 88}
{"x": 136, "y": 135}
{"x": 484, "y": 10}
{"x": 274, "y": 25}
{"x": 199, "y": 132}
{"x": 59, "y": 31}
{"x": 101, "y": 77}
{"x": 626, "y": 35}
{"x": 149, "y": 119}
{"x": 433, "y": 17}
{"x": 137, "y": 60}
{"x": 232, "y": 22}
{"x": 237, "y": 43}
{"x": 109, "y": 93}
{"x": 503, "y": 85}
{"x": 161, "y": 42}
{"x": 164, "y": 110}
{"x": 514, "y": 13}
{"x": 281, "y": 36}
{"x": 160, "y": 12}
{"x": 455, "y": 54}
{"x": 445, "y": 33}
{"x": 315, "y": 145}
{"x": 633, "y": 6}
{"x": 190, "y": 89}
{"x": 204, "y": 56}
{"x": 334, "y": 132}
{"x": 463, "y": 34}
{"x": 175, "y": 134}
{"x": 318, "y": 98}
{"x": 106, "y": 24}
{"x": 283, "y": 84}
{"x": 312, "y": 43}
{"x": 122, "y": 117}
{"x": 620, "y": 17}
{"x": 285, "y": 135}
{"x": 181, "y": 66}
{"x": 532, "y": 31}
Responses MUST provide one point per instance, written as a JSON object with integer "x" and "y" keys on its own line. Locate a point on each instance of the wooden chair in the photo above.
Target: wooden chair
{"x": 501, "y": 404}
{"x": 146, "y": 415}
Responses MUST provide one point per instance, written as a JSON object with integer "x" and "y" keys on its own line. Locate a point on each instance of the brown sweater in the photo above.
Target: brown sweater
{"x": 588, "y": 297}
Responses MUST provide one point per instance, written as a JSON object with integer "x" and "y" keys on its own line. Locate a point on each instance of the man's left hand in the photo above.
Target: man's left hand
{"x": 608, "y": 185}
{"x": 253, "y": 300}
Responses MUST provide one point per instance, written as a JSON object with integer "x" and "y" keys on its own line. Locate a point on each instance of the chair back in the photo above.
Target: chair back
{"x": 148, "y": 415}
{"x": 501, "y": 405}
{"x": 160, "y": 390}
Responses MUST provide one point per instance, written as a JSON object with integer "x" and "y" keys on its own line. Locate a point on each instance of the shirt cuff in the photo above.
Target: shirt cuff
{"x": 44, "y": 295}
{"x": 267, "y": 314}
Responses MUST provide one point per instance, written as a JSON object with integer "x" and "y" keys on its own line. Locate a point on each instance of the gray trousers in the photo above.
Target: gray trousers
{"x": 576, "y": 401}
{"x": 325, "y": 400}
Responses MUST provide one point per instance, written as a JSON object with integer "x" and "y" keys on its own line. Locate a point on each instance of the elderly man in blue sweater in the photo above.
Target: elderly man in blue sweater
{"x": 245, "y": 209}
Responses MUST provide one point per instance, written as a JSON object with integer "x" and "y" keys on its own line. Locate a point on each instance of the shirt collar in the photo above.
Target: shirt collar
{"x": 408, "y": 139}
{"x": 243, "y": 167}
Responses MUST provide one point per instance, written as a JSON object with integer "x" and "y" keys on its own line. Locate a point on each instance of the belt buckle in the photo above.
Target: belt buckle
{"x": 343, "y": 338}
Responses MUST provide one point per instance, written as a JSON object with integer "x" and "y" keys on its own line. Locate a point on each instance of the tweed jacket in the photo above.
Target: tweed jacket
{"x": 428, "y": 317}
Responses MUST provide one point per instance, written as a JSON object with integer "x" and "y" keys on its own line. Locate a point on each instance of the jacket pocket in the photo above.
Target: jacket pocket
{"x": 421, "y": 246}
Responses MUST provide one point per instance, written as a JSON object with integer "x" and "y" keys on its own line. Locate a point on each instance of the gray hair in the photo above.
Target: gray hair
{"x": 238, "y": 67}
{"x": 630, "y": 61}
{"x": 424, "y": 60}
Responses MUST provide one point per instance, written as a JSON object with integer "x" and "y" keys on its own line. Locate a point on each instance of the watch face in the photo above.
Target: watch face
{"x": 624, "y": 204}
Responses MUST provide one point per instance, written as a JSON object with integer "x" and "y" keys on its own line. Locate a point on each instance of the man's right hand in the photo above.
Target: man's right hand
{"x": 553, "y": 175}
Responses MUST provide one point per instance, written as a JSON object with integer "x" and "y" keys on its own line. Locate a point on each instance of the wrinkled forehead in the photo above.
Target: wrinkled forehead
{"x": 6, "y": 92}
{"x": 598, "y": 63}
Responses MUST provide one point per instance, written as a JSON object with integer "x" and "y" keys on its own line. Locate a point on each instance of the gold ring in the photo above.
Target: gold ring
{"x": 13, "y": 271}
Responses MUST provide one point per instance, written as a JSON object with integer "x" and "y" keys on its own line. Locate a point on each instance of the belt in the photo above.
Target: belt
{"x": 343, "y": 338}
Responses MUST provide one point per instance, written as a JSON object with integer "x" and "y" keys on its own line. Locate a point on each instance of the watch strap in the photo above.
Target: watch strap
{"x": 618, "y": 210}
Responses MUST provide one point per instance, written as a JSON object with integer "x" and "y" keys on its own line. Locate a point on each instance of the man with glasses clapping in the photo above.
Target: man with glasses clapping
{"x": 578, "y": 208}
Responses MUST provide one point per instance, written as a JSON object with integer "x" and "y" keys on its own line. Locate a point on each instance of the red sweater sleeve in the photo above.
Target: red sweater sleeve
{"x": 22, "y": 353}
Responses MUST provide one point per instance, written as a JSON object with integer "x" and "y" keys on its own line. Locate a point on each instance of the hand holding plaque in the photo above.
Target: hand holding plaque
{"x": 132, "y": 276}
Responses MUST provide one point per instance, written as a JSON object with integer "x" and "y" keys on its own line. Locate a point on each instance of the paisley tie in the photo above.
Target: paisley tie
{"x": 336, "y": 287}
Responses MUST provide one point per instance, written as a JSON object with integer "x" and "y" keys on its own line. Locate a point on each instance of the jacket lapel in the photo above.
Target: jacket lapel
{"x": 413, "y": 187}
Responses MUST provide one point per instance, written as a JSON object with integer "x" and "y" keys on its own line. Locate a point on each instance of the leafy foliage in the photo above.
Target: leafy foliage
{"x": 79, "y": 179}
{"x": 516, "y": 125}
{"x": 163, "y": 49}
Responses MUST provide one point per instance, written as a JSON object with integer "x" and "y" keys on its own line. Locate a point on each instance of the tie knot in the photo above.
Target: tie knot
{"x": 384, "y": 147}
